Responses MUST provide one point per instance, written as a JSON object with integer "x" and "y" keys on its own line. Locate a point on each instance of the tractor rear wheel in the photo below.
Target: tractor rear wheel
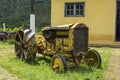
{"x": 25, "y": 46}
{"x": 19, "y": 46}
{"x": 59, "y": 64}
{"x": 93, "y": 59}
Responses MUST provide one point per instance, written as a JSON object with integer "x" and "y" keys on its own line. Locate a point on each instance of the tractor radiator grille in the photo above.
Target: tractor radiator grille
{"x": 80, "y": 43}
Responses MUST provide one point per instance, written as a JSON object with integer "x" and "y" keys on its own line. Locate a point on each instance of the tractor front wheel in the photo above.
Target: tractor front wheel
{"x": 93, "y": 59}
{"x": 59, "y": 64}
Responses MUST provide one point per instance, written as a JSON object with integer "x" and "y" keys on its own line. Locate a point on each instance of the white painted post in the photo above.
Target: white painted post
{"x": 32, "y": 22}
{"x": 3, "y": 26}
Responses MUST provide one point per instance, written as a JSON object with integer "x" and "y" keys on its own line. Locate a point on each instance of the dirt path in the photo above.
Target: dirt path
{"x": 113, "y": 71}
{"x": 5, "y": 75}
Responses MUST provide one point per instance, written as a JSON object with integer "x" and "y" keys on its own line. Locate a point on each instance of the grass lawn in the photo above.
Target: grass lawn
{"x": 41, "y": 70}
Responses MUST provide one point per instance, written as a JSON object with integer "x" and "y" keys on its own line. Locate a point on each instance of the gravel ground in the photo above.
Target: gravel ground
{"x": 113, "y": 70}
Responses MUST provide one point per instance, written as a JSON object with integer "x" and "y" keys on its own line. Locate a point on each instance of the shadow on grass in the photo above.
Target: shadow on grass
{"x": 81, "y": 69}
{"x": 84, "y": 70}
{"x": 77, "y": 69}
{"x": 46, "y": 59}
{"x": 39, "y": 60}
{"x": 74, "y": 69}
{"x": 33, "y": 63}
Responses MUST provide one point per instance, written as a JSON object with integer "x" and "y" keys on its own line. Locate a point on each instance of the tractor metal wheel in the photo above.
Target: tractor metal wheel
{"x": 59, "y": 64}
{"x": 22, "y": 50}
{"x": 20, "y": 46}
{"x": 93, "y": 59}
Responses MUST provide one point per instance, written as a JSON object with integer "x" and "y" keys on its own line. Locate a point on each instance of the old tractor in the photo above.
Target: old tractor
{"x": 66, "y": 45}
{"x": 4, "y": 36}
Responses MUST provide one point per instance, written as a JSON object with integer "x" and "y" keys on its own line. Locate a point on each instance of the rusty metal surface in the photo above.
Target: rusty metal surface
{"x": 80, "y": 39}
{"x": 25, "y": 45}
{"x": 80, "y": 42}
{"x": 55, "y": 28}
{"x": 4, "y": 35}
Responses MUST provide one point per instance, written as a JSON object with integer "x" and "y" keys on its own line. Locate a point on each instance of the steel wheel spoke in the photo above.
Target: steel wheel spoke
{"x": 25, "y": 54}
{"x": 22, "y": 55}
{"x": 18, "y": 43}
{"x": 20, "y": 37}
{"x": 18, "y": 51}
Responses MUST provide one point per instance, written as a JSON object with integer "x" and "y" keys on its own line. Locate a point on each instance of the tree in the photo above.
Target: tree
{"x": 16, "y": 13}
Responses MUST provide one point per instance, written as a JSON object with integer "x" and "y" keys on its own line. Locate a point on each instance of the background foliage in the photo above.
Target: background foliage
{"x": 16, "y": 13}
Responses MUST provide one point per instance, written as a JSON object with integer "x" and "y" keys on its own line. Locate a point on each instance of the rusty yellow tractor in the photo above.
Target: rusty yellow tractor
{"x": 66, "y": 45}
